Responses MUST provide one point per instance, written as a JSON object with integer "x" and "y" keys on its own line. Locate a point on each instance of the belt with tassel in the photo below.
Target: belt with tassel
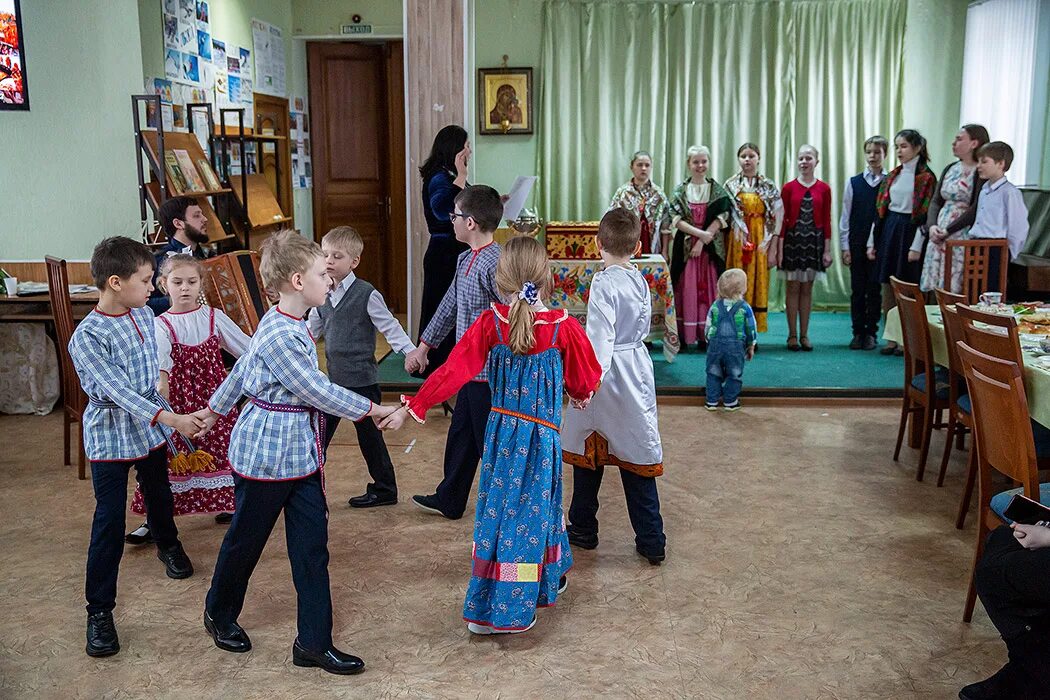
{"x": 196, "y": 461}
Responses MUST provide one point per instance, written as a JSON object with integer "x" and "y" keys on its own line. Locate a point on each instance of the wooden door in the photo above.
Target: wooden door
{"x": 355, "y": 106}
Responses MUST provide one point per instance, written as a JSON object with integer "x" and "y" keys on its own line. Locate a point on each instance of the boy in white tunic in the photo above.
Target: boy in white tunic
{"x": 619, "y": 426}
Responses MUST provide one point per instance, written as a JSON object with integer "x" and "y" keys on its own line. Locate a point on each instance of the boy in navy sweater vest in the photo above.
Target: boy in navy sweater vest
{"x": 858, "y": 215}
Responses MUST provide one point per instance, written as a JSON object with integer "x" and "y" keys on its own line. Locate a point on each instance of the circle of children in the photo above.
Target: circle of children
{"x": 254, "y": 442}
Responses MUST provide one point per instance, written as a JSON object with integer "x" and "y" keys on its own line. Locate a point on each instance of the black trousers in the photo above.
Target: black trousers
{"x": 306, "y": 530}
{"x": 995, "y": 257}
{"x": 865, "y": 300}
{"x": 1012, "y": 583}
{"x": 439, "y": 269}
{"x": 110, "y": 481}
{"x": 464, "y": 446}
{"x": 643, "y": 506}
{"x": 373, "y": 446}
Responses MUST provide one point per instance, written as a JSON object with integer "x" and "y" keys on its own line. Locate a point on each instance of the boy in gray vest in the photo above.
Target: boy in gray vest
{"x": 348, "y": 321}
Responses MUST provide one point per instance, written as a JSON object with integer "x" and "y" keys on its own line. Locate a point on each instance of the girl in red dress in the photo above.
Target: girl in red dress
{"x": 189, "y": 338}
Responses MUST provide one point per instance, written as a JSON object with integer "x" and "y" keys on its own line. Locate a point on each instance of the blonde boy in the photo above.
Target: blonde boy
{"x": 731, "y": 337}
{"x": 277, "y": 459}
{"x": 348, "y": 321}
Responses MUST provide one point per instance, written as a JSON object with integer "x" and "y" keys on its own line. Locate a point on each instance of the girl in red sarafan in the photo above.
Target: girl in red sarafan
{"x": 189, "y": 338}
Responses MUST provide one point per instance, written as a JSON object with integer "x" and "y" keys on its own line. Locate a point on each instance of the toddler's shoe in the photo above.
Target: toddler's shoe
{"x": 735, "y": 406}
{"x": 711, "y": 406}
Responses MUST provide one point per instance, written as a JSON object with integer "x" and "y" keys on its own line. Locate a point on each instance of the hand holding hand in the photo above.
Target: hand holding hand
{"x": 189, "y": 425}
{"x": 847, "y": 258}
{"x": 581, "y": 404}
{"x": 416, "y": 361}
{"x": 379, "y": 412}
{"x": 871, "y": 254}
{"x": 1032, "y": 536}
{"x": 394, "y": 420}
{"x": 209, "y": 417}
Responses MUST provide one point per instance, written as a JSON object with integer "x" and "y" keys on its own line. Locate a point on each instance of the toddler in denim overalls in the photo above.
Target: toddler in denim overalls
{"x": 731, "y": 338}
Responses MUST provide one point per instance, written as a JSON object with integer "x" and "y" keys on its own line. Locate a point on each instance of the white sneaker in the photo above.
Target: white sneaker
{"x": 531, "y": 625}
{"x": 475, "y": 628}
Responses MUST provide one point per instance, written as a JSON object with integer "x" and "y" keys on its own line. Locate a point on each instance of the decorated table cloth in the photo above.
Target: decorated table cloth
{"x": 1036, "y": 364}
{"x": 572, "y": 284}
{"x": 29, "y": 379}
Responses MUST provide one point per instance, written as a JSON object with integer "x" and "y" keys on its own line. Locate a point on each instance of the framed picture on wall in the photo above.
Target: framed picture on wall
{"x": 504, "y": 100}
{"x": 14, "y": 88}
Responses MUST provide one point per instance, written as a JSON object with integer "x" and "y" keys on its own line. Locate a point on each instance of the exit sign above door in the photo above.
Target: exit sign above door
{"x": 357, "y": 29}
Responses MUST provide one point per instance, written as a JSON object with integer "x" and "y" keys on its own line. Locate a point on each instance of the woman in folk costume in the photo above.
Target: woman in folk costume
{"x": 521, "y": 552}
{"x": 757, "y": 217}
{"x": 189, "y": 338}
{"x": 700, "y": 210}
{"x": 901, "y": 206}
{"x": 952, "y": 211}
{"x": 648, "y": 202}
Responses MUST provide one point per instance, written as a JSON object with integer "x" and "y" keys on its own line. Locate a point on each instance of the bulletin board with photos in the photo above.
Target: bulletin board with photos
{"x": 14, "y": 85}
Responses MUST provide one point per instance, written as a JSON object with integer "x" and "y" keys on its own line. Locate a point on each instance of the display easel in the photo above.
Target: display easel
{"x": 152, "y": 144}
{"x": 252, "y": 187}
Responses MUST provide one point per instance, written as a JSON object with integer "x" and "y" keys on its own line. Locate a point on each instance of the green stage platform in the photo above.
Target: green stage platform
{"x": 831, "y": 370}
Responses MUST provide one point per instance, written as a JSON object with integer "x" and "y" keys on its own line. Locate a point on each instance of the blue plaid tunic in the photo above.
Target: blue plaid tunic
{"x": 280, "y": 368}
{"x": 116, "y": 360}
{"x": 473, "y": 290}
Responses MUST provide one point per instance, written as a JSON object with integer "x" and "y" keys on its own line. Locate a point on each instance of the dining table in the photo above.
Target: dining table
{"x": 1036, "y": 362}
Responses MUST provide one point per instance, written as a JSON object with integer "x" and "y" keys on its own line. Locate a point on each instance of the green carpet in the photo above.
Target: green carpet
{"x": 832, "y": 369}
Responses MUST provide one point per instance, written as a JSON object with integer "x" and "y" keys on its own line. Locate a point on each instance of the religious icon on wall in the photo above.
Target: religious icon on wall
{"x": 505, "y": 100}
{"x": 14, "y": 90}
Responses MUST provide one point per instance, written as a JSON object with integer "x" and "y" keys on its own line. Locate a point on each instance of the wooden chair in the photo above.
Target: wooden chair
{"x": 960, "y": 422}
{"x": 233, "y": 284}
{"x": 977, "y": 264}
{"x": 74, "y": 400}
{"x": 925, "y": 385}
{"x": 1002, "y": 439}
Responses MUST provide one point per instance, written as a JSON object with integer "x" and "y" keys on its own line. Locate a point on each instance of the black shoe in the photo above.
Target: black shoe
{"x": 654, "y": 557}
{"x": 101, "y": 635}
{"x": 888, "y": 349}
{"x": 176, "y": 563}
{"x": 333, "y": 660}
{"x": 581, "y": 539}
{"x": 1004, "y": 685}
{"x": 563, "y": 583}
{"x": 869, "y": 342}
{"x": 224, "y": 518}
{"x": 371, "y": 500}
{"x": 857, "y": 342}
{"x": 428, "y": 503}
{"x": 140, "y": 535}
{"x": 231, "y": 637}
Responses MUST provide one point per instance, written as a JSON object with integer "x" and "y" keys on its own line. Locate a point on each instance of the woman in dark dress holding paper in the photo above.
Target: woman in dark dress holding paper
{"x": 444, "y": 176}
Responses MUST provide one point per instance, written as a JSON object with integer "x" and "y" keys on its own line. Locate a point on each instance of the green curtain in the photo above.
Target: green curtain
{"x": 618, "y": 76}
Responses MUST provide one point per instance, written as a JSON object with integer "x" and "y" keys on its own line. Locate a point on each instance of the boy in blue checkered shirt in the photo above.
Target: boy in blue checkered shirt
{"x": 477, "y": 212}
{"x": 277, "y": 457}
{"x": 114, "y": 351}
{"x": 731, "y": 338}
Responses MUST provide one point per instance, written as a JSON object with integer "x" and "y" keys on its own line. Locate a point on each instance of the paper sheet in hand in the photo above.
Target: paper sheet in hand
{"x": 519, "y": 192}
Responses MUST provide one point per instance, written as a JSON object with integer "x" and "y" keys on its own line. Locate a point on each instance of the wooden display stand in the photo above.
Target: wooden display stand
{"x": 150, "y": 146}
{"x": 263, "y": 190}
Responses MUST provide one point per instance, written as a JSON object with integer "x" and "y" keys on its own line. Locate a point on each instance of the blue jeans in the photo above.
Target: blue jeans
{"x": 725, "y": 367}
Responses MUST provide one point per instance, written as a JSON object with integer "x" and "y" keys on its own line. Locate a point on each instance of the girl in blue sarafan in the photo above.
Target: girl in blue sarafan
{"x": 521, "y": 552}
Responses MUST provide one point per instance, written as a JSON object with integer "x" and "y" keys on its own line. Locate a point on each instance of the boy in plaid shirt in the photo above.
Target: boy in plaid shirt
{"x": 478, "y": 211}
{"x": 277, "y": 457}
{"x": 114, "y": 351}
